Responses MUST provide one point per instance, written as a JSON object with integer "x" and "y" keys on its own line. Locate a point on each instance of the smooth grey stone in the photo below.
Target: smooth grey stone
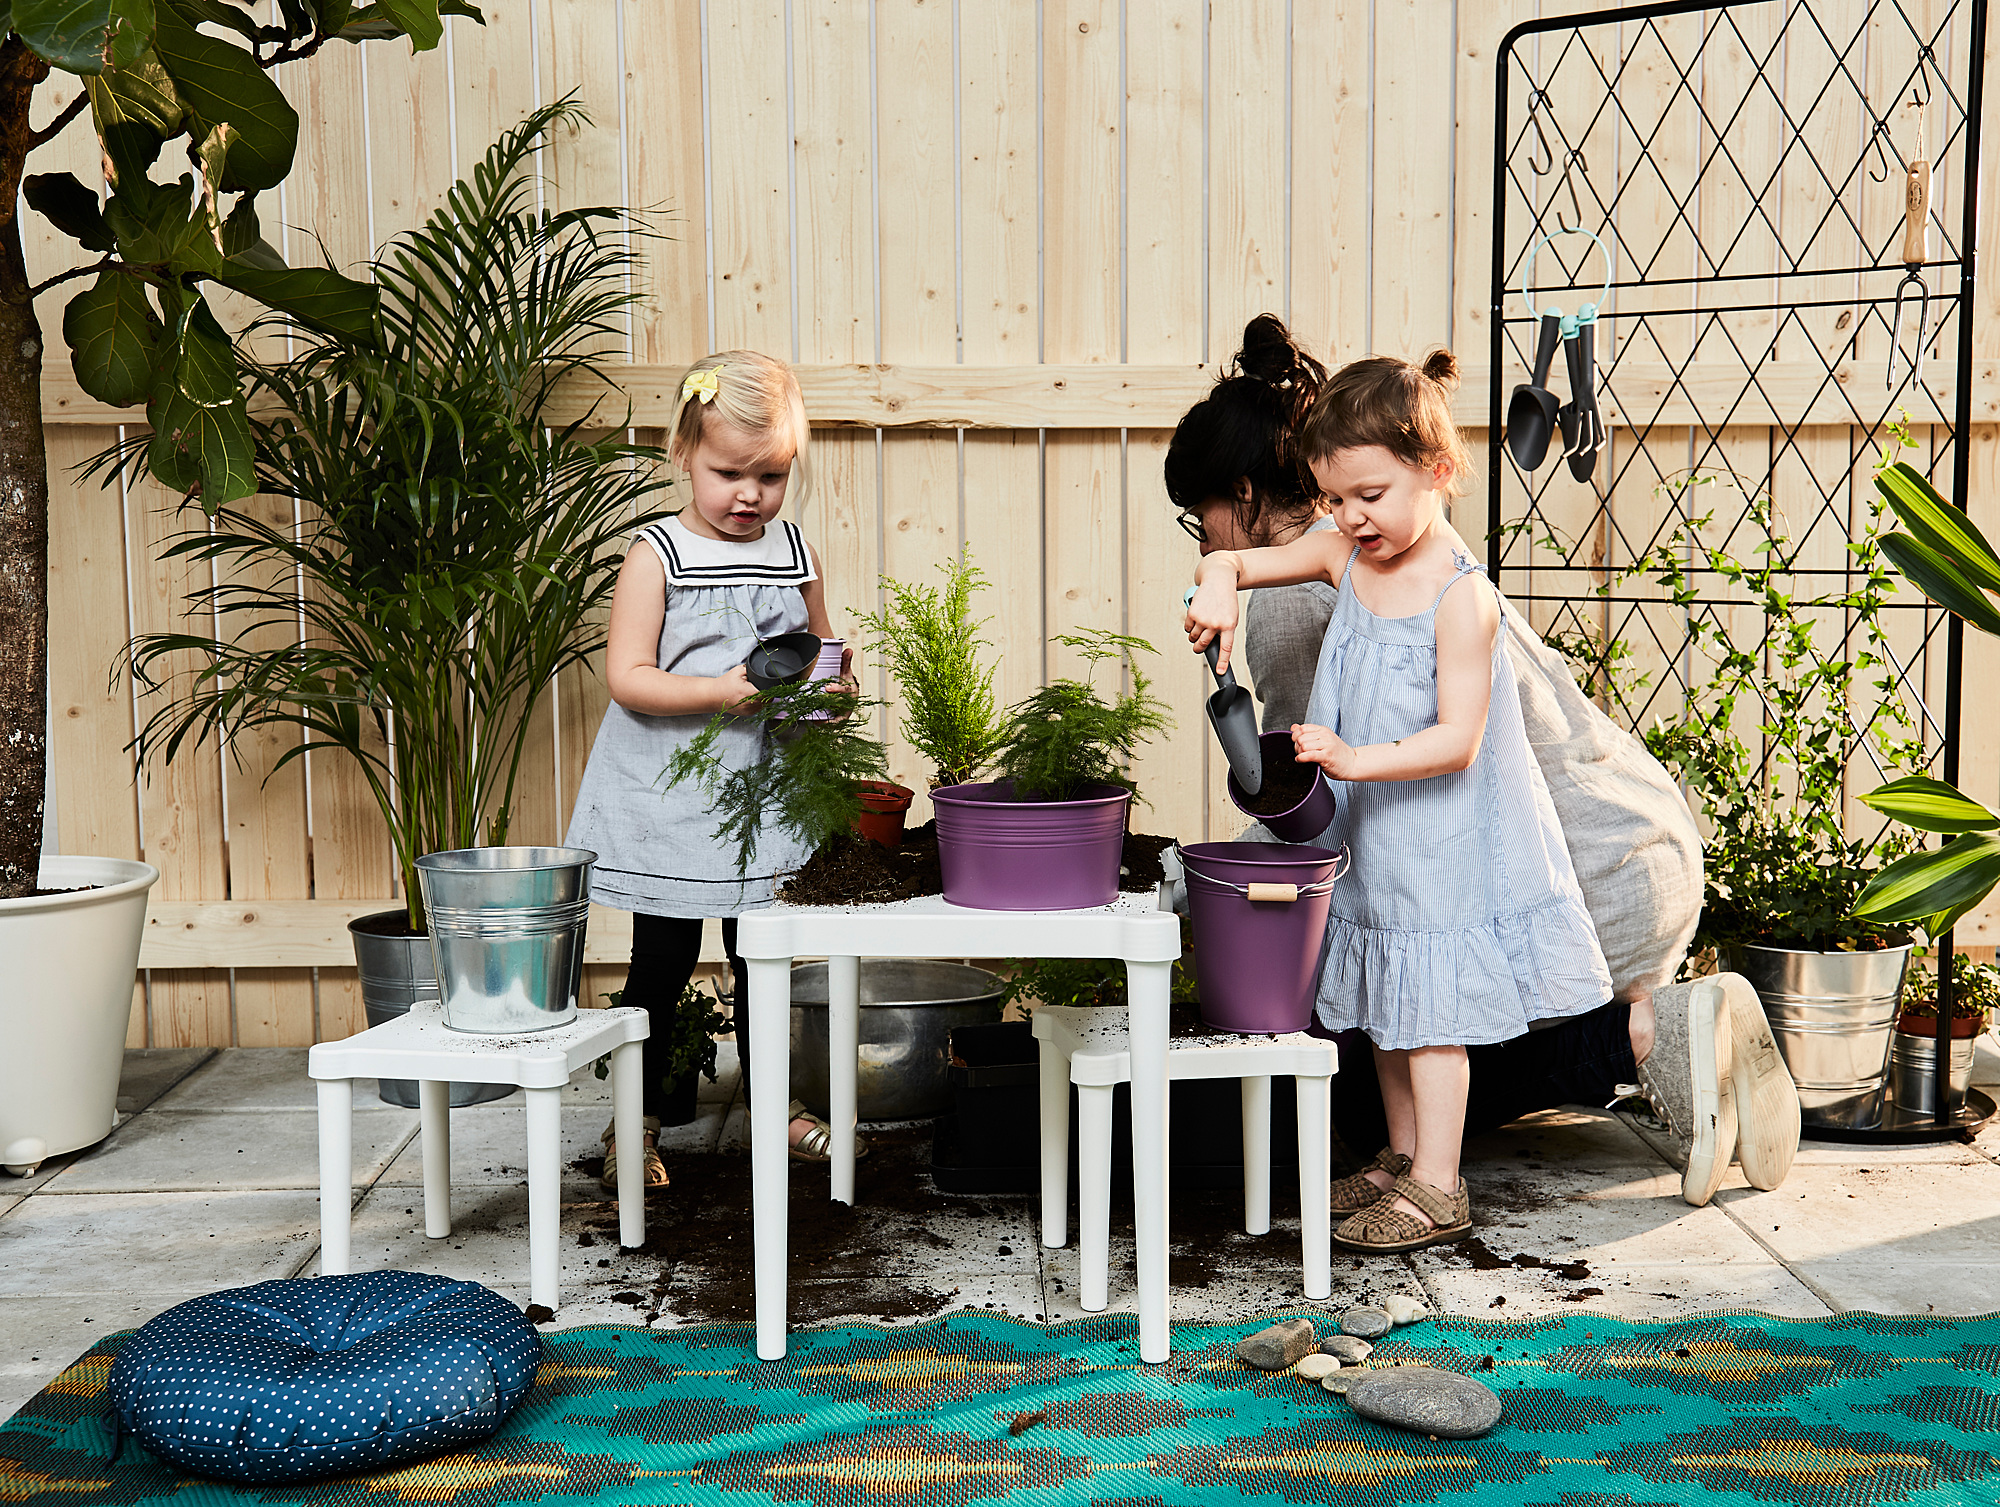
{"x": 1425, "y": 1401}
{"x": 1339, "y": 1381}
{"x": 1365, "y": 1323}
{"x": 1279, "y": 1346}
{"x": 1349, "y": 1350}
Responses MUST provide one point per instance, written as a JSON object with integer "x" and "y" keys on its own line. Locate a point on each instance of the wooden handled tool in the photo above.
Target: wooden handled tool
{"x": 1916, "y": 213}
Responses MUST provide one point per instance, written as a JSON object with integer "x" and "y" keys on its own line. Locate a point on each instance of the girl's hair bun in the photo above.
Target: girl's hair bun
{"x": 1441, "y": 366}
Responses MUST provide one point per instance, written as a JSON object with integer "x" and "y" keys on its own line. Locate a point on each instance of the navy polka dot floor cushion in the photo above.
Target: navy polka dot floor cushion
{"x": 288, "y": 1381}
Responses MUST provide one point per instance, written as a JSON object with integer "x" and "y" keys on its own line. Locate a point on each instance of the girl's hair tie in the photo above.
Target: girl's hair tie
{"x": 701, "y": 384}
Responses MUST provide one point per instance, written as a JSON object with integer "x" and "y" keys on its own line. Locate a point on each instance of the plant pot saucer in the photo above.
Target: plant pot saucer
{"x": 1906, "y": 1127}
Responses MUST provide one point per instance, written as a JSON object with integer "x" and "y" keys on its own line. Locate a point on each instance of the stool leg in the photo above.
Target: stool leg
{"x": 770, "y": 1070}
{"x": 843, "y": 1046}
{"x": 1256, "y": 1156}
{"x": 1315, "y": 1199}
{"x": 1055, "y": 1145}
{"x": 1147, "y": 990}
{"x": 545, "y": 1191}
{"x": 434, "y": 1122}
{"x": 628, "y": 1088}
{"x": 336, "y": 1174}
{"x": 1093, "y": 1193}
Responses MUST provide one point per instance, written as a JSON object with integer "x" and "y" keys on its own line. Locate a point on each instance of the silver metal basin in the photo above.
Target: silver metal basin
{"x": 1831, "y": 1014}
{"x": 909, "y": 1008}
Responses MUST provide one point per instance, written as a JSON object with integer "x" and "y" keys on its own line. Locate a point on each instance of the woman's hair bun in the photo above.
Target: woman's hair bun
{"x": 1441, "y": 366}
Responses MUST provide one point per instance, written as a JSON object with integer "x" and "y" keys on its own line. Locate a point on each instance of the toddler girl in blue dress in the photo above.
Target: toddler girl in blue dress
{"x": 1461, "y": 921}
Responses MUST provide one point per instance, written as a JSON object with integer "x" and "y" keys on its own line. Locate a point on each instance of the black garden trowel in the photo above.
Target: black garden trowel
{"x": 1232, "y": 712}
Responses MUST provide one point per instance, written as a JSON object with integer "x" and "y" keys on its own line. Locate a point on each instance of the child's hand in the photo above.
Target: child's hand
{"x": 848, "y": 682}
{"x": 733, "y": 690}
{"x": 1312, "y": 744}
{"x": 1211, "y": 614}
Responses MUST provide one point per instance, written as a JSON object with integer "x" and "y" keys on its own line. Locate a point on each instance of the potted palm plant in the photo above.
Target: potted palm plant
{"x": 456, "y": 545}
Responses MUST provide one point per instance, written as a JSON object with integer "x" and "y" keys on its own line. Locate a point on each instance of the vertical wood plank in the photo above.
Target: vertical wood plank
{"x": 1480, "y": 30}
{"x": 749, "y": 151}
{"x": 1332, "y": 87}
{"x": 663, "y": 149}
{"x": 1000, "y": 134}
{"x": 494, "y": 75}
{"x": 1411, "y": 233}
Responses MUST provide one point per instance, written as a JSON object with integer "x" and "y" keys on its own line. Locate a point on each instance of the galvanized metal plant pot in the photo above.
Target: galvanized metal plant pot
{"x": 909, "y": 1008}
{"x": 1913, "y": 1072}
{"x": 399, "y": 971}
{"x": 1831, "y": 1014}
{"x": 507, "y": 925}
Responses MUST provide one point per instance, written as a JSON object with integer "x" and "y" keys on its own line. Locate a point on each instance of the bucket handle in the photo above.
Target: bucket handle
{"x": 1281, "y": 893}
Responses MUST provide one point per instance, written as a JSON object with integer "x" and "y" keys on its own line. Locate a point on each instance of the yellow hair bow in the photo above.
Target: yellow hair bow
{"x": 701, "y": 384}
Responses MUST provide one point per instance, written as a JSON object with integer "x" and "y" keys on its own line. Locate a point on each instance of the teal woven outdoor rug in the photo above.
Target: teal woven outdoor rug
{"x": 1733, "y": 1407}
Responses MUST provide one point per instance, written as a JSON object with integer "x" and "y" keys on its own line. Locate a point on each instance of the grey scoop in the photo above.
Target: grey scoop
{"x": 1233, "y": 714}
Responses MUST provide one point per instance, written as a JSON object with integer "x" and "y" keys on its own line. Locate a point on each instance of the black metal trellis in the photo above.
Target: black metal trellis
{"x": 1742, "y": 162}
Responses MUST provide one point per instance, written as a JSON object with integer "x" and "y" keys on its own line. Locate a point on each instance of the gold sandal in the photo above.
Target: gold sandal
{"x": 1383, "y": 1229}
{"x": 1353, "y": 1194}
{"x": 656, "y": 1170}
{"x": 816, "y": 1145}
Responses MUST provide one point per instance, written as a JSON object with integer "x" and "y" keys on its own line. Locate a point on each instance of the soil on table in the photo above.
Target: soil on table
{"x": 851, "y": 870}
{"x": 1286, "y": 783}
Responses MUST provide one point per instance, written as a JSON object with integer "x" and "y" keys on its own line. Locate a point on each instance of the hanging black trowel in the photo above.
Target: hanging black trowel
{"x": 1232, "y": 712}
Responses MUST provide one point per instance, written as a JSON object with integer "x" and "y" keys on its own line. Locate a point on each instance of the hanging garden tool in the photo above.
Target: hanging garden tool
{"x": 1533, "y": 408}
{"x": 1916, "y": 251}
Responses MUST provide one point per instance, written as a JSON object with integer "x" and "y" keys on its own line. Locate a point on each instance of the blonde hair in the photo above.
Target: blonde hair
{"x": 755, "y": 393}
{"x": 1400, "y": 405}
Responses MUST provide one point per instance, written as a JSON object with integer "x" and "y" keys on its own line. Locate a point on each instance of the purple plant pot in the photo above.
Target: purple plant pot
{"x": 1310, "y": 816}
{"x": 826, "y": 668}
{"x": 998, "y": 853}
{"x": 1256, "y": 962}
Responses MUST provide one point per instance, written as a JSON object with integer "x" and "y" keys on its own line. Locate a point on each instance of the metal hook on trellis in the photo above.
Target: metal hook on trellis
{"x": 1878, "y": 139}
{"x": 1535, "y": 102}
{"x": 1570, "y": 163}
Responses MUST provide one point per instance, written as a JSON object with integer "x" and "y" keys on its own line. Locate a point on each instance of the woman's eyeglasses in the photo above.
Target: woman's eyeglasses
{"x": 1191, "y": 526}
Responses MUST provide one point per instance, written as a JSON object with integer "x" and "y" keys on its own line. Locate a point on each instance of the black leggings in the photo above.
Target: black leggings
{"x": 665, "y": 950}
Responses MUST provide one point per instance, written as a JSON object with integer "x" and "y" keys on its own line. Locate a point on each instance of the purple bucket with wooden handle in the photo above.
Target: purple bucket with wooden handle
{"x": 1259, "y": 914}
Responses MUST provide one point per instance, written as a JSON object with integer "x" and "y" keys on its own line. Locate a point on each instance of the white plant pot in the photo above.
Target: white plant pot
{"x": 65, "y": 1001}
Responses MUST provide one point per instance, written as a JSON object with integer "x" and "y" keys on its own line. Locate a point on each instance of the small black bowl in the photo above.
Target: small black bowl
{"x": 782, "y": 660}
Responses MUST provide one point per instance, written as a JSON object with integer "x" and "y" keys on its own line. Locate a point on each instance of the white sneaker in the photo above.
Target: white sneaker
{"x": 1767, "y": 1101}
{"x": 1689, "y": 1078}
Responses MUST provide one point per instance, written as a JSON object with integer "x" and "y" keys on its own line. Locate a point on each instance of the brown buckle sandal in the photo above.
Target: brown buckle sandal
{"x": 816, "y": 1145}
{"x": 656, "y": 1170}
{"x": 1383, "y": 1229}
{"x": 1353, "y": 1194}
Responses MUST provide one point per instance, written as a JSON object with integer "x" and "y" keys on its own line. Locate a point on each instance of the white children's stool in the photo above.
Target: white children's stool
{"x": 420, "y": 1045}
{"x": 1087, "y": 1047}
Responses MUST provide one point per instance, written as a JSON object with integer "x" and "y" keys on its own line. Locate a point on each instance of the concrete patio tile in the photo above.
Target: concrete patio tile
{"x": 490, "y": 1145}
{"x": 131, "y": 1243}
{"x": 1562, "y": 1139}
{"x": 8, "y": 1201}
{"x": 1923, "y": 1153}
{"x": 150, "y": 1071}
{"x": 1628, "y": 1291}
{"x": 582, "y": 1304}
{"x": 40, "y": 1336}
{"x": 1986, "y": 1060}
{"x": 1901, "y": 1285}
{"x": 1640, "y": 1218}
{"x": 251, "y": 1079}
{"x": 1945, "y": 1213}
{"x": 489, "y": 1238}
{"x": 167, "y": 1150}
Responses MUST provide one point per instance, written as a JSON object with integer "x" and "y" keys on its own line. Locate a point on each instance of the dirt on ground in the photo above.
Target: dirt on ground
{"x": 851, "y": 870}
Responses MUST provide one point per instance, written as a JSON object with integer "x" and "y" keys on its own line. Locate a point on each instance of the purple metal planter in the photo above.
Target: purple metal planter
{"x": 1259, "y": 913}
{"x": 998, "y": 853}
{"x": 1309, "y": 817}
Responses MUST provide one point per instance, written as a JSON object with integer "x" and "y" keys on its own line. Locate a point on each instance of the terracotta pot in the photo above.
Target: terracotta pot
{"x": 883, "y": 809}
{"x": 1925, "y": 1026}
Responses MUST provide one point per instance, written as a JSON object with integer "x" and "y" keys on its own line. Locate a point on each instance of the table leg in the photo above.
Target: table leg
{"x": 336, "y": 1174}
{"x": 1148, "y": 986}
{"x": 628, "y": 1089}
{"x": 1256, "y": 1095}
{"x": 843, "y": 1045}
{"x": 1315, "y": 1198}
{"x": 434, "y": 1130}
{"x": 770, "y": 1069}
{"x": 545, "y": 1191}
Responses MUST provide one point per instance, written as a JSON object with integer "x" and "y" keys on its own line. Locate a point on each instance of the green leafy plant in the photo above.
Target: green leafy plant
{"x": 806, "y": 784}
{"x": 1781, "y": 868}
{"x": 1065, "y": 736}
{"x": 1975, "y": 989}
{"x": 1092, "y": 982}
{"x": 931, "y": 644}
{"x": 1948, "y": 558}
{"x": 456, "y": 544}
{"x": 690, "y": 1033}
{"x": 204, "y": 74}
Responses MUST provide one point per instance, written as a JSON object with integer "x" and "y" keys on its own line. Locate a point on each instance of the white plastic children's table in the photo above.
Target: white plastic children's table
{"x": 420, "y": 1045}
{"x": 1132, "y": 929}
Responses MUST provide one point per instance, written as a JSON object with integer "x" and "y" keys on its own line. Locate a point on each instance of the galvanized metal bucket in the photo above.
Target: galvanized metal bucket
{"x": 399, "y": 971}
{"x": 909, "y": 1009}
{"x": 1831, "y": 1014}
{"x": 507, "y": 928}
{"x": 1913, "y": 1072}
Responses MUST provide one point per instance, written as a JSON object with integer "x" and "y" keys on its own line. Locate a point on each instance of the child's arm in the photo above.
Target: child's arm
{"x": 1467, "y": 620}
{"x": 632, "y": 655}
{"x": 1217, "y": 579}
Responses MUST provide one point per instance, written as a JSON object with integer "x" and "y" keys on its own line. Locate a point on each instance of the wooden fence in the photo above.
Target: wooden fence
{"x": 1007, "y": 243}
